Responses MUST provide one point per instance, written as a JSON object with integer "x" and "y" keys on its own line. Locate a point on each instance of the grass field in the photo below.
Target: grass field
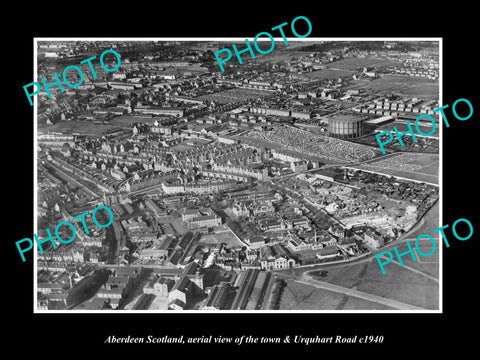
{"x": 402, "y": 127}
{"x": 304, "y": 297}
{"x": 401, "y": 284}
{"x": 80, "y": 127}
{"x": 398, "y": 283}
{"x": 406, "y": 86}
{"x": 283, "y": 52}
{"x": 327, "y": 74}
{"x": 420, "y": 167}
{"x": 353, "y": 303}
{"x": 355, "y": 63}
{"x": 226, "y": 237}
{"x": 427, "y": 264}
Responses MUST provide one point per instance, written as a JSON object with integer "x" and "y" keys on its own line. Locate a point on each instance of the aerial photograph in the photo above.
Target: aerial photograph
{"x": 260, "y": 188}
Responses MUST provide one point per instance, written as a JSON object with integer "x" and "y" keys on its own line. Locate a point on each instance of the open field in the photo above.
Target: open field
{"x": 282, "y": 52}
{"x": 97, "y": 129}
{"x": 353, "y": 303}
{"x": 327, "y": 74}
{"x": 402, "y": 127}
{"x": 226, "y": 237}
{"x": 399, "y": 283}
{"x": 406, "y": 86}
{"x": 304, "y": 297}
{"x": 360, "y": 63}
{"x": 420, "y": 167}
{"x": 78, "y": 127}
{"x": 427, "y": 264}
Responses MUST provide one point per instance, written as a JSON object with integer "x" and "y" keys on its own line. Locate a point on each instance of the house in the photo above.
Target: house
{"x": 337, "y": 230}
{"x": 158, "y": 286}
{"x": 327, "y": 251}
{"x": 49, "y": 288}
{"x": 42, "y": 302}
{"x": 176, "y": 304}
{"x": 255, "y": 242}
{"x": 251, "y": 255}
{"x": 182, "y": 290}
{"x": 131, "y": 272}
{"x": 220, "y": 297}
{"x": 297, "y": 166}
{"x": 57, "y": 301}
{"x": 373, "y": 239}
{"x": 197, "y": 279}
{"x": 199, "y": 218}
{"x": 116, "y": 288}
{"x": 347, "y": 241}
{"x": 276, "y": 262}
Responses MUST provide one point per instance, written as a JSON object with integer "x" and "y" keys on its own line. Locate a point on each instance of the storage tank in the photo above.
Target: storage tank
{"x": 348, "y": 128}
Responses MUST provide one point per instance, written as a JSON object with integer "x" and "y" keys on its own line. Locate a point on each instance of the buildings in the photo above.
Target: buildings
{"x": 149, "y": 203}
{"x": 207, "y": 221}
{"x": 373, "y": 239}
{"x": 298, "y": 166}
{"x": 201, "y": 218}
{"x": 156, "y": 110}
{"x": 220, "y": 297}
{"x": 202, "y": 141}
{"x": 183, "y": 294}
{"x": 158, "y": 285}
{"x": 179, "y": 187}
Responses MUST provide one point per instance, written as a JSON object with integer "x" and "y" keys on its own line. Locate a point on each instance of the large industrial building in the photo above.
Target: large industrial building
{"x": 345, "y": 127}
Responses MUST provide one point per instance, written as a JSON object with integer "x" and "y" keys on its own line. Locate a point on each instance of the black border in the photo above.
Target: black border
{"x": 405, "y": 332}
